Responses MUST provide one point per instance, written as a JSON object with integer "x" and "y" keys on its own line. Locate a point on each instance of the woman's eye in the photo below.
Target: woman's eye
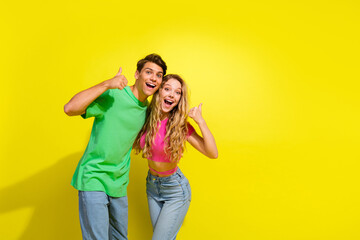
{"x": 178, "y": 93}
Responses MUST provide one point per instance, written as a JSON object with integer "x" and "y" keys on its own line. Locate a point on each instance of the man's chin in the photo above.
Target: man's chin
{"x": 149, "y": 93}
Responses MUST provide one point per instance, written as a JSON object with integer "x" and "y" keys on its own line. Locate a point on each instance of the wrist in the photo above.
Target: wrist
{"x": 201, "y": 122}
{"x": 106, "y": 84}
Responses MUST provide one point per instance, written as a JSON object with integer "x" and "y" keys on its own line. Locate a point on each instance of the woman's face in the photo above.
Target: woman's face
{"x": 170, "y": 95}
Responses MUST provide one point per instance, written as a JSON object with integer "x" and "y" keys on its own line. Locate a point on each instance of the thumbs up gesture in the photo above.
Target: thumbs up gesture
{"x": 195, "y": 113}
{"x": 118, "y": 81}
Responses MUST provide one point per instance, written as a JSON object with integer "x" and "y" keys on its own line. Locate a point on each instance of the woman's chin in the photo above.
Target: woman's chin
{"x": 165, "y": 110}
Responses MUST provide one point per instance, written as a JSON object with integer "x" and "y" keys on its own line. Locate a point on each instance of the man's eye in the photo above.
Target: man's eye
{"x": 159, "y": 76}
{"x": 148, "y": 72}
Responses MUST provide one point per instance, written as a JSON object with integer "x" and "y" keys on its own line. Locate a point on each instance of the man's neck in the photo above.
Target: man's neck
{"x": 137, "y": 94}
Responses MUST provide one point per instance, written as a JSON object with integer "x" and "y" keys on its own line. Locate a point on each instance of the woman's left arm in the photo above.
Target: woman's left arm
{"x": 205, "y": 144}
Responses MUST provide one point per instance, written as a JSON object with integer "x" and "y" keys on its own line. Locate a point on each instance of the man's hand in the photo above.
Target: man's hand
{"x": 119, "y": 81}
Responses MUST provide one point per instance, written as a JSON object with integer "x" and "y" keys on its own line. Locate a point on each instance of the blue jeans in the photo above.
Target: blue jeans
{"x": 169, "y": 200}
{"x": 103, "y": 217}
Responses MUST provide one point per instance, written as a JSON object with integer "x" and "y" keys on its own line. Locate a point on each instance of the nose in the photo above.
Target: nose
{"x": 153, "y": 77}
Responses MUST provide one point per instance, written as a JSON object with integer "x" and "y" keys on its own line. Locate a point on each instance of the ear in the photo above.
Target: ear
{"x": 137, "y": 74}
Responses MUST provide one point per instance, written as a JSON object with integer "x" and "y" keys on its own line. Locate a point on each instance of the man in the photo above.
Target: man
{"x": 102, "y": 174}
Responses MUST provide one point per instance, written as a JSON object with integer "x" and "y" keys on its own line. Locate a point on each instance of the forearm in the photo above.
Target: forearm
{"x": 78, "y": 103}
{"x": 208, "y": 140}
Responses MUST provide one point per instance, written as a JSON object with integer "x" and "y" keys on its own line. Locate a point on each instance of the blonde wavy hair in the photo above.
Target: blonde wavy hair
{"x": 176, "y": 127}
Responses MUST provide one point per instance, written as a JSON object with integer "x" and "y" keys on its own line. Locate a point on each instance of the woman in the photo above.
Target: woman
{"x": 162, "y": 142}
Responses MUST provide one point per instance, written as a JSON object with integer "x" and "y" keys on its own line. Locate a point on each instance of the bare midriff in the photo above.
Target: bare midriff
{"x": 160, "y": 167}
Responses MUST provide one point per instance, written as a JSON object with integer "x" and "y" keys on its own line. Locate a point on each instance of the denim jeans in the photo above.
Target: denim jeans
{"x": 169, "y": 200}
{"x": 103, "y": 217}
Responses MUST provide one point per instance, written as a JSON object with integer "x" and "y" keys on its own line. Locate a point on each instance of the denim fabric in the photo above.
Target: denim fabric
{"x": 169, "y": 200}
{"x": 103, "y": 217}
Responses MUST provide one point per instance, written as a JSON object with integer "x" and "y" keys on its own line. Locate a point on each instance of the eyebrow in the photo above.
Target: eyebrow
{"x": 153, "y": 70}
{"x": 166, "y": 84}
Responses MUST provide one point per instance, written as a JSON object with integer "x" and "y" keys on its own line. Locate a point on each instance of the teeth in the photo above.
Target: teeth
{"x": 150, "y": 85}
{"x": 167, "y": 101}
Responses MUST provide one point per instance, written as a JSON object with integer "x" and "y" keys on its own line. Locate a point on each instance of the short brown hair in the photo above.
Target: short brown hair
{"x": 155, "y": 58}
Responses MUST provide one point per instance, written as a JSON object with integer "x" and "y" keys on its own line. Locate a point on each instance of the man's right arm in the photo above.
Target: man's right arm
{"x": 78, "y": 103}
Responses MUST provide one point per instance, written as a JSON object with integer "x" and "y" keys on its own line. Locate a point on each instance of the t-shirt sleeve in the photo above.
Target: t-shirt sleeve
{"x": 190, "y": 129}
{"x": 99, "y": 106}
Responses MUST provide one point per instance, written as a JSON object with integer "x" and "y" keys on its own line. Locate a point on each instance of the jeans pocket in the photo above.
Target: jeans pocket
{"x": 185, "y": 185}
{"x": 150, "y": 187}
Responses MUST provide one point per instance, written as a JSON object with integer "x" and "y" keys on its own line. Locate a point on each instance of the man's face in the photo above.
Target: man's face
{"x": 149, "y": 79}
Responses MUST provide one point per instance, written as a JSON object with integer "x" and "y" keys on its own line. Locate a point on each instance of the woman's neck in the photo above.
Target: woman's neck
{"x": 163, "y": 115}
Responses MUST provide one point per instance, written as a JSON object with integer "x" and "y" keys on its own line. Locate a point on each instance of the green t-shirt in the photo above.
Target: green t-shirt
{"x": 105, "y": 164}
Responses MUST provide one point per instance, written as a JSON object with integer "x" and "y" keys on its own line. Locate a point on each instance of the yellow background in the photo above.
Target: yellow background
{"x": 279, "y": 83}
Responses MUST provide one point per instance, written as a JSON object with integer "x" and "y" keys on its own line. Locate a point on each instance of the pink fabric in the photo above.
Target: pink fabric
{"x": 157, "y": 151}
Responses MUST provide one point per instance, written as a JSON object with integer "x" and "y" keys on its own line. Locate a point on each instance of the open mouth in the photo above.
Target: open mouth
{"x": 168, "y": 102}
{"x": 150, "y": 85}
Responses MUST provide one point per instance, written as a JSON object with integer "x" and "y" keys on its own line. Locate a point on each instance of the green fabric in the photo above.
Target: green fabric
{"x": 105, "y": 164}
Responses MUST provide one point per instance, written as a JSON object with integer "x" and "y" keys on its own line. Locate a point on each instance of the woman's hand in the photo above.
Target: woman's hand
{"x": 205, "y": 144}
{"x": 195, "y": 114}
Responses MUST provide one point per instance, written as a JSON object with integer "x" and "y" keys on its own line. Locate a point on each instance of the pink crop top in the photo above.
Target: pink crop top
{"x": 157, "y": 150}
